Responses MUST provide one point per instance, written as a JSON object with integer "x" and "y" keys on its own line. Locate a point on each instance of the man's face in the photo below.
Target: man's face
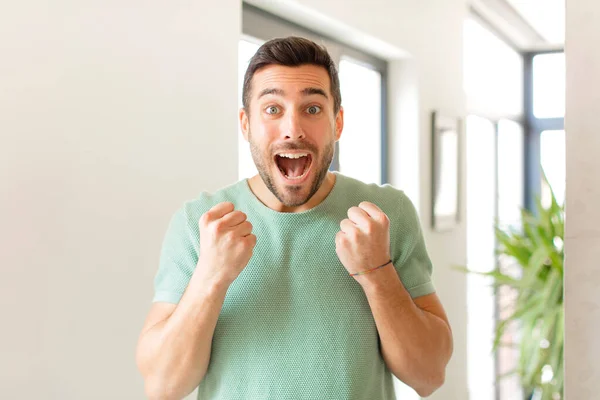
{"x": 292, "y": 130}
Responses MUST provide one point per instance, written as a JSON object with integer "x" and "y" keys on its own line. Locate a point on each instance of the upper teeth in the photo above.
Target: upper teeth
{"x": 290, "y": 155}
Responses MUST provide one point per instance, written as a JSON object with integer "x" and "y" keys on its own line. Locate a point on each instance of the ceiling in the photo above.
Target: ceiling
{"x": 547, "y": 17}
{"x": 530, "y": 25}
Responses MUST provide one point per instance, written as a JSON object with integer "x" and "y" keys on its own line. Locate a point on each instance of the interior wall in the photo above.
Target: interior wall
{"x": 582, "y": 234}
{"x": 110, "y": 116}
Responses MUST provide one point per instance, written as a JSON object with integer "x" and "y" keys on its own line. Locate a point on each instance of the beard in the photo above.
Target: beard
{"x": 292, "y": 195}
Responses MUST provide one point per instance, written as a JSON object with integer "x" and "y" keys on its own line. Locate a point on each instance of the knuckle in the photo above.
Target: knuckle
{"x": 249, "y": 242}
{"x": 218, "y": 227}
{"x": 204, "y": 218}
{"x": 230, "y": 236}
{"x": 385, "y": 219}
{"x": 226, "y": 205}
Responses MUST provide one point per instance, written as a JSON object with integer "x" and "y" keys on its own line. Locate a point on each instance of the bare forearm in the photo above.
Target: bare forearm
{"x": 175, "y": 353}
{"x": 416, "y": 345}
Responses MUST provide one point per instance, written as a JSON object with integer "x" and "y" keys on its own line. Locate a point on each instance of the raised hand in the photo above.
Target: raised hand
{"x": 364, "y": 239}
{"x": 226, "y": 243}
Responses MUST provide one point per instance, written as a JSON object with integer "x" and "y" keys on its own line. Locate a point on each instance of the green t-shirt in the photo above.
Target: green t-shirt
{"x": 295, "y": 324}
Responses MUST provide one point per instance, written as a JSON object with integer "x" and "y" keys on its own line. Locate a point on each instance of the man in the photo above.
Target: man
{"x": 298, "y": 283}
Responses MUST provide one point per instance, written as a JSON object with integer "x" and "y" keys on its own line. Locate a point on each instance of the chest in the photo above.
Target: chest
{"x": 295, "y": 283}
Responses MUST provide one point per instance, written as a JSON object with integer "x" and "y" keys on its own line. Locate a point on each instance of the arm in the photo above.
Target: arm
{"x": 174, "y": 347}
{"x": 416, "y": 339}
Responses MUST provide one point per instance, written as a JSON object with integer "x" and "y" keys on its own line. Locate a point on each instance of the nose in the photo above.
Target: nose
{"x": 292, "y": 126}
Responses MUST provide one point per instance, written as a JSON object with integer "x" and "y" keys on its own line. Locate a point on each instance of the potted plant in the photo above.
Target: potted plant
{"x": 531, "y": 267}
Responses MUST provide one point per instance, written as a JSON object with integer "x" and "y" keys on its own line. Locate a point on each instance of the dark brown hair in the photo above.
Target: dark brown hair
{"x": 292, "y": 52}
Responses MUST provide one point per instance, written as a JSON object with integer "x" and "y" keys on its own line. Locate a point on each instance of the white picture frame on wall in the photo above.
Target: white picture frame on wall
{"x": 445, "y": 167}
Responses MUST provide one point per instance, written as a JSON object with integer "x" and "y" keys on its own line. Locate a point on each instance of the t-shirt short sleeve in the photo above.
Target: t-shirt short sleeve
{"x": 178, "y": 259}
{"x": 410, "y": 256}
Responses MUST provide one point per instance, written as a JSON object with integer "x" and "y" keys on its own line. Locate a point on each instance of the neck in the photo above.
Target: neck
{"x": 262, "y": 192}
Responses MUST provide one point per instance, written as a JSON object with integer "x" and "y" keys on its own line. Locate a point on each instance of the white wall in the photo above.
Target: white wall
{"x": 582, "y": 236}
{"x": 110, "y": 114}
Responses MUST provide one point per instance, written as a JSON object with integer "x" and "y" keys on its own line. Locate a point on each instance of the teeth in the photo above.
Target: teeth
{"x": 289, "y": 155}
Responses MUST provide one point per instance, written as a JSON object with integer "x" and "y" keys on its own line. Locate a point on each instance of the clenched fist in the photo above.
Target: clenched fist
{"x": 364, "y": 240}
{"x": 226, "y": 243}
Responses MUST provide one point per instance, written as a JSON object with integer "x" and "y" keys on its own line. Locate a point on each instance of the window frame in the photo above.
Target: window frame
{"x": 534, "y": 127}
{"x": 262, "y": 25}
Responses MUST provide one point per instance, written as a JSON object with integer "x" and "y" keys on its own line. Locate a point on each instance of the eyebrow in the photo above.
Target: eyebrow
{"x": 265, "y": 92}
{"x": 305, "y": 92}
{"x": 312, "y": 90}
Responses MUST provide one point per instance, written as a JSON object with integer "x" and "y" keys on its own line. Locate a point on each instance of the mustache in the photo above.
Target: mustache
{"x": 296, "y": 146}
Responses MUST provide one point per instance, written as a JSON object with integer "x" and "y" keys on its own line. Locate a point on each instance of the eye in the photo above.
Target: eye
{"x": 272, "y": 110}
{"x": 313, "y": 110}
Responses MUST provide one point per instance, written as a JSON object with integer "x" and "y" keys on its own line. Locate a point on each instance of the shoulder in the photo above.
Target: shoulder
{"x": 391, "y": 200}
{"x": 387, "y": 197}
{"x": 192, "y": 209}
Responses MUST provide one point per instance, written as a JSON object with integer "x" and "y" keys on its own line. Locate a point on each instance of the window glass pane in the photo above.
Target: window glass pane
{"x": 510, "y": 172}
{"x": 481, "y": 189}
{"x": 360, "y": 143}
{"x": 552, "y": 157}
{"x": 246, "y": 167}
{"x": 549, "y": 85}
{"x": 493, "y": 73}
{"x": 510, "y": 201}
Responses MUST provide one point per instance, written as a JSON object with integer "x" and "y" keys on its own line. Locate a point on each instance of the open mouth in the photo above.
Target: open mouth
{"x": 294, "y": 166}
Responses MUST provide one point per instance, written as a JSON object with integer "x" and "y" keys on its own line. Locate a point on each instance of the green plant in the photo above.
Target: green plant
{"x": 536, "y": 279}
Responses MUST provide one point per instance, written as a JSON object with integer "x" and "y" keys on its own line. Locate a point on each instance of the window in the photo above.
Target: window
{"x": 552, "y": 157}
{"x": 360, "y": 145}
{"x": 511, "y": 184}
{"x": 493, "y": 73}
{"x": 545, "y": 136}
{"x": 246, "y": 167}
{"x": 360, "y": 153}
{"x": 481, "y": 191}
{"x": 549, "y": 85}
{"x": 495, "y": 182}
{"x": 494, "y": 77}
{"x": 510, "y": 188}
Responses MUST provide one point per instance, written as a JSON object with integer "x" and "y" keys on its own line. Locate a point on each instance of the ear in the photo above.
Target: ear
{"x": 244, "y": 122}
{"x": 339, "y": 124}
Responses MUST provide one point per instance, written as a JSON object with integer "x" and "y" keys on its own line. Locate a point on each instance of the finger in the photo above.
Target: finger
{"x": 372, "y": 210}
{"x": 339, "y": 239}
{"x": 346, "y": 226}
{"x": 234, "y": 218}
{"x": 218, "y": 211}
{"x": 359, "y": 217}
{"x": 251, "y": 238}
{"x": 243, "y": 229}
